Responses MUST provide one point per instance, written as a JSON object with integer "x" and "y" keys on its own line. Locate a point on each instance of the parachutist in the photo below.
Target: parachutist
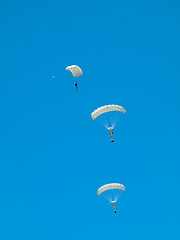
{"x": 76, "y": 85}
{"x": 106, "y": 119}
{"x": 76, "y": 72}
{"x": 109, "y": 189}
{"x": 114, "y": 206}
{"x": 111, "y": 133}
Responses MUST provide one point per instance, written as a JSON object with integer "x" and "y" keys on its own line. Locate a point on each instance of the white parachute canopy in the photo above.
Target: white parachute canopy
{"x": 109, "y": 187}
{"x": 108, "y": 114}
{"x": 106, "y": 108}
{"x": 111, "y": 191}
{"x": 75, "y": 70}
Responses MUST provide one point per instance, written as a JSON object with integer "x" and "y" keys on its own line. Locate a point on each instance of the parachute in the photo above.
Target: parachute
{"x": 75, "y": 70}
{"x": 105, "y": 109}
{"x": 108, "y": 116}
{"x": 111, "y": 192}
{"x": 109, "y": 187}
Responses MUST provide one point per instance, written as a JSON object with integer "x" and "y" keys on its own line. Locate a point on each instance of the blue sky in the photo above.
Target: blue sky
{"x": 53, "y": 156}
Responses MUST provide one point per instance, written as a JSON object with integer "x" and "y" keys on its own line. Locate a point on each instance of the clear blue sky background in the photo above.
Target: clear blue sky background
{"x": 53, "y": 156}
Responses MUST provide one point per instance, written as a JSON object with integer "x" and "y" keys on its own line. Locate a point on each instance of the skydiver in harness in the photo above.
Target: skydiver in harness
{"x": 111, "y": 133}
{"x": 76, "y": 86}
{"x": 114, "y": 206}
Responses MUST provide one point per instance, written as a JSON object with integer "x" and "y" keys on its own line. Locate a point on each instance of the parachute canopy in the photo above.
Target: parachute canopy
{"x": 75, "y": 70}
{"x": 105, "y": 109}
{"x": 110, "y": 186}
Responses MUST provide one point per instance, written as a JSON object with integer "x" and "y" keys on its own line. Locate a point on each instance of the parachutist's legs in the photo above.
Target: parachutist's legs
{"x": 76, "y": 85}
{"x": 111, "y": 133}
{"x": 114, "y": 206}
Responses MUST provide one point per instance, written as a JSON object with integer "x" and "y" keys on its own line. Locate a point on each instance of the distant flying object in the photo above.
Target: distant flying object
{"x": 108, "y": 116}
{"x": 111, "y": 192}
{"x": 76, "y": 72}
{"x": 53, "y": 76}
